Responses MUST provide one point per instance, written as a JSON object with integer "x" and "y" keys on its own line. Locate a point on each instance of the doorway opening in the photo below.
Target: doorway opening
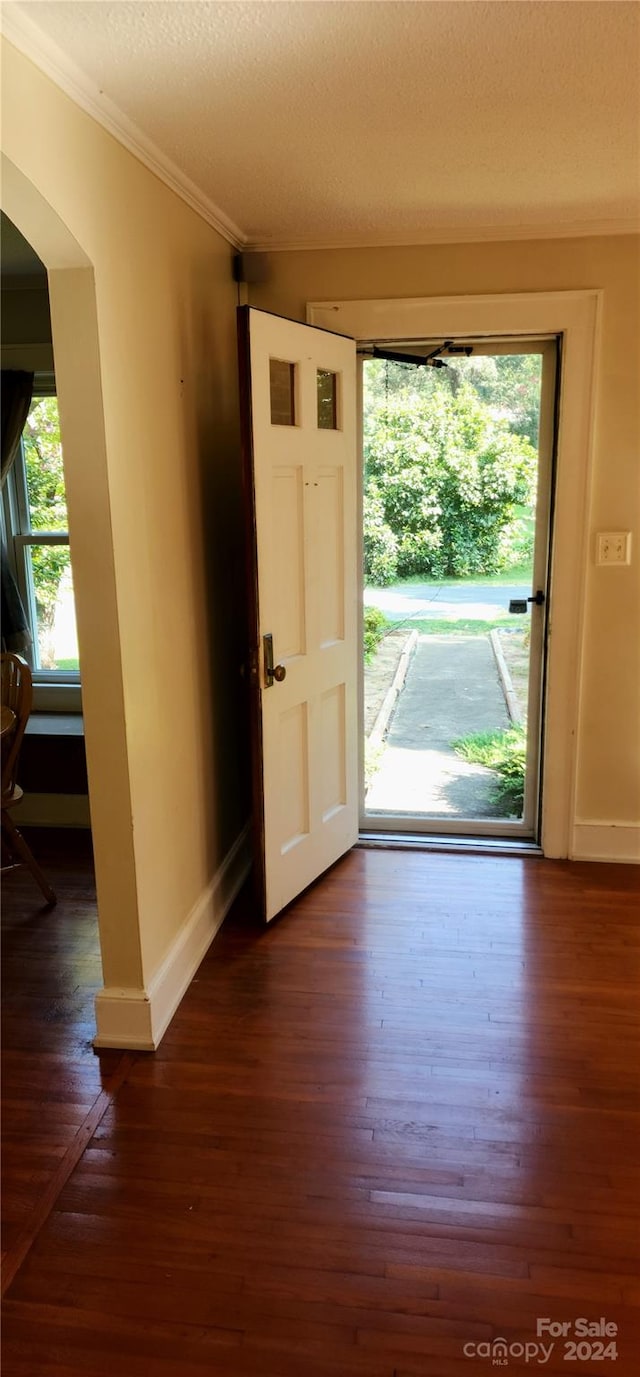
{"x": 458, "y": 449}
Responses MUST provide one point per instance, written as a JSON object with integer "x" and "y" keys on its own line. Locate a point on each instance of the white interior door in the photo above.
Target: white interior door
{"x": 299, "y": 417}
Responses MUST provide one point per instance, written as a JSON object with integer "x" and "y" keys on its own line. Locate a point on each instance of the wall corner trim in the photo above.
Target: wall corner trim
{"x": 137, "y": 1019}
{"x": 606, "y": 841}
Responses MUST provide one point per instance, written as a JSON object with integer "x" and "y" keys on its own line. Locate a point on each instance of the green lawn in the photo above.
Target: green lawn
{"x": 463, "y": 626}
{"x": 517, "y": 574}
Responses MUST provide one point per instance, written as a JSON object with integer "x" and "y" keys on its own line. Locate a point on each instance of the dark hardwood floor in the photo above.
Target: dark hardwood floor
{"x": 397, "y": 1125}
{"x": 51, "y": 1078}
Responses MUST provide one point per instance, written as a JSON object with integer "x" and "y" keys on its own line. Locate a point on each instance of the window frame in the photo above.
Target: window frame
{"x": 53, "y": 690}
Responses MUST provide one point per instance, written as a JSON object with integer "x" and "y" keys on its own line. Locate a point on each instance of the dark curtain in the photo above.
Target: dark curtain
{"x": 15, "y": 398}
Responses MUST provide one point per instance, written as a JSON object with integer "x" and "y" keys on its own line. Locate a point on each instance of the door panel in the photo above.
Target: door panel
{"x": 299, "y": 420}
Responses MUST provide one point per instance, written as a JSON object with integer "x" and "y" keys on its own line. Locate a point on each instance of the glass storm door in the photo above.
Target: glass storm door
{"x": 458, "y": 465}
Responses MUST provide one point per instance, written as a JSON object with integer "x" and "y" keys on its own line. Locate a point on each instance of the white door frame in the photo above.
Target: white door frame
{"x": 575, "y": 316}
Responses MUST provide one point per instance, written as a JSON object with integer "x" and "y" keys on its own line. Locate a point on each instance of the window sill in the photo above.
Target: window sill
{"x": 55, "y": 724}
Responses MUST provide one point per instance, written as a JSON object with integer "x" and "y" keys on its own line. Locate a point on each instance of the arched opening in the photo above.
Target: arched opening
{"x": 74, "y": 327}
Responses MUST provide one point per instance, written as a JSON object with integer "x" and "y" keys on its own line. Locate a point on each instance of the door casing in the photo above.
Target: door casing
{"x": 573, "y": 317}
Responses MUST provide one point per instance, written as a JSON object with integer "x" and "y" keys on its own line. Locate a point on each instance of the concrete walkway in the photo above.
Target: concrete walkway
{"x": 452, "y": 690}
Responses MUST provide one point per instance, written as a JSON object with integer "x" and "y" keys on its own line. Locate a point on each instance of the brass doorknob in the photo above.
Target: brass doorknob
{"x": 271, "y": 672}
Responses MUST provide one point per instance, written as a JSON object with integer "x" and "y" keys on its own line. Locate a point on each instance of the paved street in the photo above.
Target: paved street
{"x": 480, "y": 601}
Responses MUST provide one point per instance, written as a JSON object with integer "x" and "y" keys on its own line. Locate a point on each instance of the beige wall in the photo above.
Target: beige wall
{"x": 154, "y": 516}
{"x": 609, "y": 740}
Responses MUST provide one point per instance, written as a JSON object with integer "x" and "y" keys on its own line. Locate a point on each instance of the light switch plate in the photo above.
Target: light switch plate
{"x": 613, "y": 547}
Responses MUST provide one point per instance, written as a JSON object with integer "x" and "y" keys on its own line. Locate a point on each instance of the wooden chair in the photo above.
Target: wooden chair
{"x": 16, "y": 695}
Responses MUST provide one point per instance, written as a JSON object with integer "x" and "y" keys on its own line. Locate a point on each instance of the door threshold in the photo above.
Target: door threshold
{"x": 424, "y": 841}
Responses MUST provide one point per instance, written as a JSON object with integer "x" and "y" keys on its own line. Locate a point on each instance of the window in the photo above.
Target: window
{"x": 35, "y": 517}
{"x": 282, "y": 384}
{"x": 327, "y": 399}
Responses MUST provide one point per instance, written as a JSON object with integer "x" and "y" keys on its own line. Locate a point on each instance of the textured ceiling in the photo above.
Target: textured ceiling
{"x": 320, "y": 123}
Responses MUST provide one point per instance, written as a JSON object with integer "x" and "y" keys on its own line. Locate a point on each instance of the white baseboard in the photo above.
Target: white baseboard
{"x": 53, "y": 810}
{"x": 137, "y": 1019}
{"x": 123, "y": 1019}
{"x": 606, "y": 841}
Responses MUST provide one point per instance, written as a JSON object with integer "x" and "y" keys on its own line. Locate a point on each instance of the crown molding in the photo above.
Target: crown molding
{"x": 28, "y": 38}
{"x": 470, "y": 234}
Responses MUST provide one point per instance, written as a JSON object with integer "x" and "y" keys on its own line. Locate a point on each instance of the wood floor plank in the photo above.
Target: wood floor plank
{"x": 401, "y": 1120}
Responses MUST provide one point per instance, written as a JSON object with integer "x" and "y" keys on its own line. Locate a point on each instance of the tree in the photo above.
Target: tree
{"x": 444, "y": 475}
{"x": 47, "y": 509}
{"x": 510, "y": 386}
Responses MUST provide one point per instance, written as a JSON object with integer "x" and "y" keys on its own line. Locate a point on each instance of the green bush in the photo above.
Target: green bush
{"x": 505, "y": 752}
{"x": 375, "y": 625}
{"x": 380, "y": 544}
{"x": 446, "y": 480}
